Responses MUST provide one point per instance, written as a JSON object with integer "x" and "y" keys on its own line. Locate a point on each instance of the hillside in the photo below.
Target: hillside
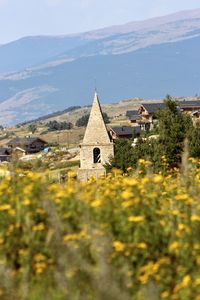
{"x": 116, "y": 112}
{"x": 145, "y": 59}
{"x": 73, "y": 137}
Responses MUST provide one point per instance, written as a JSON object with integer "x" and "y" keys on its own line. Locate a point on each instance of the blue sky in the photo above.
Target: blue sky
{"x": 20, "y": 18}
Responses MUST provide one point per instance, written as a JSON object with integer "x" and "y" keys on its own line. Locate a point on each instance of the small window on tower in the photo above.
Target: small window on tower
{"x": 96, "y": 155}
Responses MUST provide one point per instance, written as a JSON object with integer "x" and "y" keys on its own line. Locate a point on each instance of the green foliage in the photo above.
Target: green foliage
{"x": 194, "y": 141}
{"x": 82, "y": 122}
{"x": 123, "y": 157}
{"x": 173, "y": 127}
{"x": 31, "y": 165}
{"x": 55, "y": 125}
{"x": 32, "y": 128}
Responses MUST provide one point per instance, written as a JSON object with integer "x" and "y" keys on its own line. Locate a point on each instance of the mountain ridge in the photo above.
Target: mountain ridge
{"x": 48, "y": 47}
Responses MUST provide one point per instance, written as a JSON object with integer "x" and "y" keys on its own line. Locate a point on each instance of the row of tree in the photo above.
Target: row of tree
{"x": 81, "y": 122}
{"x": 55, "y": 125}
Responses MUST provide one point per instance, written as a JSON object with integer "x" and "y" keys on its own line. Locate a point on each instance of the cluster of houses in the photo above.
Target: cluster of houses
{"x": 97, "y": 146}
{"x": 145, "y": 118}
{"x": 140, "y": 120}
{"x": 18, "y": 147}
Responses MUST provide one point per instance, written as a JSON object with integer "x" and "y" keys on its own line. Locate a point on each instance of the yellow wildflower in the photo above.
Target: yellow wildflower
{"x": 96, "y": 203}
{"x": 127, "y": 204}
{"x": 5, "y": 207}
{"x": 174, "y": 246}
{"x": 197, "y": 281}
{"x": 196, "y": 246}
{"x": 40, "y": 267}
{"x": 12, "y": 212}
{"x": 164, "y": 261}
{"x": 11, "y": 228}
{"x": 158, "y": 178}
{"x": 165, "y": 294}
{"x": 129, "y": 169}
{"x": 162, "y": 223}
{"x": 70, "y": 274}
{"x": 118, "y": 246}
{"x": 184, "y": 197}
{"x": 186, "y": 280}
{"x": 23, "y": 252}
{"x": 175, "y": 212}
{"x": 72, "y": 237}
{"x": 182, "y": 226}
{"x": 130, "y": 273}
{"x": 26, "y": 202}
{"x": 136, "y": 219}
{"x": 39, "y": 227}
{"x": 144, "y": 278}
{"x": 71, "y": 174}
{"x": 141, "y": 246}
{"x": 39, "y": 257}
{"x": 198, "y": 260}
{"x": 40, "y": 211}
{"x": 127, "y": 195}
{"x": 195, "y": 218}
{"x": 130, "y": 181}
{"x": 143, "y": 162}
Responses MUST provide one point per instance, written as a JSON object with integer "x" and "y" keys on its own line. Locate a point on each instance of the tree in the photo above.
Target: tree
{"x": 32, "y": 128}
{"x": 173, "y": 129}
{"x": 123, "y": 155}
{"x": 82, "y": 122}
{"x": 194, "y": 141}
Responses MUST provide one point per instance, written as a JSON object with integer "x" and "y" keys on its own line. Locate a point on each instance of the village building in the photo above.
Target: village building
{"x": 145, "y": 116}
{"x": 5, "y": 154}
{"x": 147, "y": 111}
{"x": 28, "y": 144}
{"x": 133, "y": 116}
{"x": 126, "y": 132}
{"x": 191, "y": 107}
{"x": 97, "y": 147}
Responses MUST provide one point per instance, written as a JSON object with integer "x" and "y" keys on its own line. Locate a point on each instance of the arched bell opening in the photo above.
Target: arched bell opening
{"x": 96, "y": 155}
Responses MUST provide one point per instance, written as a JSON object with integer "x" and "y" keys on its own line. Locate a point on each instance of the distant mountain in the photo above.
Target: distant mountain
{"x": 30, "y": 51}
{"x": 147, "y": 59}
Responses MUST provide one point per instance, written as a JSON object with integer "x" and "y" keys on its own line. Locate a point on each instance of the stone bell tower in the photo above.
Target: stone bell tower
{"x": 96, "y": 148}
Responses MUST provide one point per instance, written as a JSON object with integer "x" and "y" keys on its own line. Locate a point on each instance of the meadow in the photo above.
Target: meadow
{"x": 126, "y": 236}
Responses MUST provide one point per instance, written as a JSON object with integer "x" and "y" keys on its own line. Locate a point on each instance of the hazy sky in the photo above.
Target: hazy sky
{"x": 20, "y": 18}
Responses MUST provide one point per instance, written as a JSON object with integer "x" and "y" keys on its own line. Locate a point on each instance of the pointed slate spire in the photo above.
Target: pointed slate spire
{"x": 96, "y": 131}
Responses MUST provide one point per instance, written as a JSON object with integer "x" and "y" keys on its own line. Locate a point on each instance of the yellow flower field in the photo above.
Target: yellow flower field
{"x": 130, "y": 236}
